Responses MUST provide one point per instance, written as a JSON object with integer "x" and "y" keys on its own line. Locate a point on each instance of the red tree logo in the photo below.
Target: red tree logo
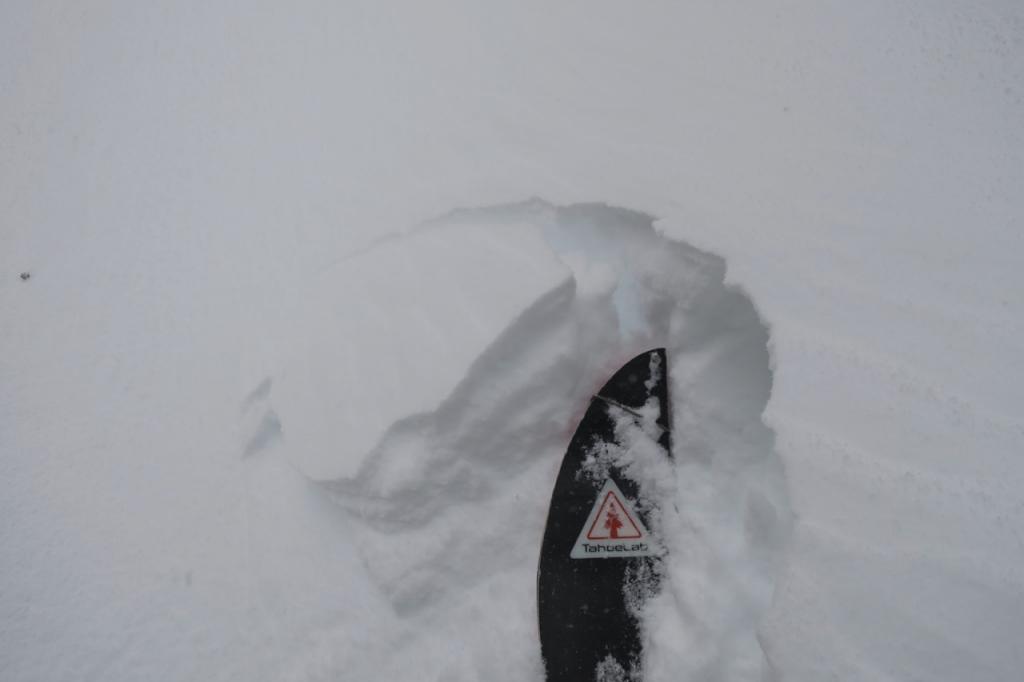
{"x": 612, "y": 520}
{"x": 613, "y": 523}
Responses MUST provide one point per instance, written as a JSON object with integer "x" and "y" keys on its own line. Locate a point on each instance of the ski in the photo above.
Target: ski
{"x": 599, "y": 560}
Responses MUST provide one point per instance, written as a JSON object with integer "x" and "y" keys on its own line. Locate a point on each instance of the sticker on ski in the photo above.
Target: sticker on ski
{"x": 613, "y": 529}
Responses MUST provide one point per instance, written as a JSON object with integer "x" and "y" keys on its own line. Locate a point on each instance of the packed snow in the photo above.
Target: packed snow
{"x": 301, "y": 304}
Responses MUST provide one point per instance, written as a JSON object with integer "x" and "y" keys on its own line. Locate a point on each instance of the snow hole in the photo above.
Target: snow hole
{"x": 433, "y": 387}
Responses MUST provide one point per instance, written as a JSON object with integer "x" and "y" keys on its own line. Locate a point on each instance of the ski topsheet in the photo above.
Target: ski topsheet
{"x": 599, "y": 559}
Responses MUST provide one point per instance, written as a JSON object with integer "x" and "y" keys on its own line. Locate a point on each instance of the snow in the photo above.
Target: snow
{"x": 814, "y": 206}
{"x": 385, "y": 335}
{"x": 449, "y": 506}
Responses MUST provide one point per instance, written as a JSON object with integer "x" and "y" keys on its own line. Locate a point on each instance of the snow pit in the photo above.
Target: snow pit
{"x": 439, "y": 379}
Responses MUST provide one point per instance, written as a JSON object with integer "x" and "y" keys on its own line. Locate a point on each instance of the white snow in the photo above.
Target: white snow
{"x": 197, "y": 191}
{"x": 387, "y": 334}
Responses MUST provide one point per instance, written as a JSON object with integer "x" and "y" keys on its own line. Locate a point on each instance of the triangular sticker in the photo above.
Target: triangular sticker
{"x": 613, "y": 529}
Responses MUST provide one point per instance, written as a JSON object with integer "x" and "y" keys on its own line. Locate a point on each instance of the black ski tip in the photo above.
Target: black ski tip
{"x": 638, "y": 379}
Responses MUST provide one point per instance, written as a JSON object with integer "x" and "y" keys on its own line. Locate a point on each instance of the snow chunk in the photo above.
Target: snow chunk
{"x": 389, "y": 333}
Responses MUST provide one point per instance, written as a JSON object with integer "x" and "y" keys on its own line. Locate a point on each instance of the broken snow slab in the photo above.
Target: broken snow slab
{"x": 387, "y": 334}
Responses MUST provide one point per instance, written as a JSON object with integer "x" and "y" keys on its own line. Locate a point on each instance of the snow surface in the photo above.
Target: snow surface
{"x": 387, "y": 334}
{"x": 186, "y": 184}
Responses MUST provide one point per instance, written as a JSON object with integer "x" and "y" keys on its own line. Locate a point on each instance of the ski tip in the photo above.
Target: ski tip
{"x": 637, "y": 380}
